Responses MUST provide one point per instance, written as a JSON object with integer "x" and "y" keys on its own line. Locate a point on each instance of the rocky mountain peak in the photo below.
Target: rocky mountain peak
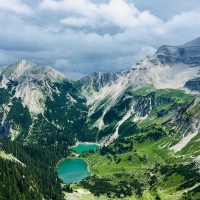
{"x": 17, "y": 69}
{"x": 193, "y": 43}
{"x": 52, "y": 74}
{"x": 26, "y": 70}
{"x": 188, "y": 53}
{"x": 98, "y": 80}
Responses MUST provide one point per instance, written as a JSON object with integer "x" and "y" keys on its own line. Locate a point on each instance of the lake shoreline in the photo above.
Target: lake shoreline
{"x": 76, "y": 156}
{"x": 86, "y": 147}
{"x": 63, "y": 159}
{"x": 89, "y": 169}
{"x": 78, "y": 143}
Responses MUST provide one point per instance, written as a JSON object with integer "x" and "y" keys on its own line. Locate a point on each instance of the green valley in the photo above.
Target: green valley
{"x": 146, "y": 119}
{"x": 142, "y": 166}
{"x": 144, "y": 170}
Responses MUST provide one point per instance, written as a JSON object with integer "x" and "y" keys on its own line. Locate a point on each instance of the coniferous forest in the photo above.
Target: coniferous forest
{"x": 35, "y": 177}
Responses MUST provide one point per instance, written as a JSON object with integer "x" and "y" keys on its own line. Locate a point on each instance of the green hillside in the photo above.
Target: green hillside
{"x": 150, "y": 137}
{"x": 142, "y": 166}
{"x": 144, "y": 170}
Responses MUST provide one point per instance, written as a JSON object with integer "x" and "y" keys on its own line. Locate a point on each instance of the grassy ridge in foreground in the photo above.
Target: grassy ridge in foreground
{"x": 141, "y": 166}
{"x": 147, "y": 170}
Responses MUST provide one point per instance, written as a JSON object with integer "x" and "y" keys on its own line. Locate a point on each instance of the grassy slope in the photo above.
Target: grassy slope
{"x": 148, "y": 159}
{"x": 145, "y": 159}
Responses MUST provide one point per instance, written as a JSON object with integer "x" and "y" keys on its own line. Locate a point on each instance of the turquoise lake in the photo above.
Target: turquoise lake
{"x": 86, "y": 147}
{"x": 73, "y": 170}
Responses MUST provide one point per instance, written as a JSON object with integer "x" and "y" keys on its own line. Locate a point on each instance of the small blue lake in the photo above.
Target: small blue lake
{"x": 86, "y": 147}
{"x": 73, "y": 170}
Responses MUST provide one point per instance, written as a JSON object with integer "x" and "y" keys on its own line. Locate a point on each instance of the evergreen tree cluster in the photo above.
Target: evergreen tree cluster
{"x": 38, "y": 178}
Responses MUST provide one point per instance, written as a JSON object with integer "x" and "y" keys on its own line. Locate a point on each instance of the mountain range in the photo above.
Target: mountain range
{"x": 157, "y": 99}
{"x": 41, "y": 91}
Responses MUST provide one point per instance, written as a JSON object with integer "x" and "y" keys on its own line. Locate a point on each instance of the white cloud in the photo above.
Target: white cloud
{"x": 116, "y": 12}
{"x": 74, "y": 21}
{"x": 83, "y": 7}
{"x": 16, "y": 6}
{"x": 80, "y": 36}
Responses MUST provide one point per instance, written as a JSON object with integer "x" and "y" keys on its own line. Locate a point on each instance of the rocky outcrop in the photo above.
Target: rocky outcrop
{"x": 193, "y": 85}
{"x": 98, "y": 80}
{"x": 34, "y": 99}
{"x": 188, "y": 53}
{"x": 46, "y": 95}
{"x": 4, "y": 127}
{"x": 23, "y": 69}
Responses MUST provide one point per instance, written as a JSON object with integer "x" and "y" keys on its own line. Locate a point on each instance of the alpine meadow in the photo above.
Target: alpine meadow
{"x": 146, "y": 120}
{"x": 99, "y": 100}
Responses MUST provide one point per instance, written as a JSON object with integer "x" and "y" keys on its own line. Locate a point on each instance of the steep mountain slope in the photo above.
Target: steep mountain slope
{"x": 28, "y": 171}
{"x": 36, "y": 101}
{"x": 148, "y": 117}
{"x": 45, "y": 100}
{"x": 142, "y": 167}
{"x": 170, "y": 67}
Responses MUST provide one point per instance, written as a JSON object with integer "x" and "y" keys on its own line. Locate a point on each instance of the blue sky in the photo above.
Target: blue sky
{"x": 77, "y": 37}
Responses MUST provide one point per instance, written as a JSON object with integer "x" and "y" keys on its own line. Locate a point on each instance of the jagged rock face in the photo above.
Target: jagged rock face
{"x": 101, "y": 107}
{"x": 16, "y": 70}
{"x": 23, "y": 68}
{"x": 193, "y": 85}
{"x": 31, "y": 83}
{"x": 35, "y": 98}
{"x": 170, "y": 67}
{"x": 98, "y": 80}
{"x": 188, "y": 53}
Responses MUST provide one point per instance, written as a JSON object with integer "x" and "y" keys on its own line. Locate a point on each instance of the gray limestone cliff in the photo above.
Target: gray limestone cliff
{"x": 188, "y": 53}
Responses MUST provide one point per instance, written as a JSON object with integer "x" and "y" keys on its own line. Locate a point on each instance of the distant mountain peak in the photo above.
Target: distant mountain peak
{"x": 17, "y": 69}
{"x": 23, "y": 68}
{"x": 195, "y": 42}
{"x": 188, "y": 53}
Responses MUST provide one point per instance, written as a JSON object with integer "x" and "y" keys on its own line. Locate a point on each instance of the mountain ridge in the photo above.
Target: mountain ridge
{"x": 100, "y": 92}
{"x": 147, "y": 118}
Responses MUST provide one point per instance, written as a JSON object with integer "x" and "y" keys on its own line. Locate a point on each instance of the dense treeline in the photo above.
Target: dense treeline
{"x": 16, "y": 182}
{"x": 127, "y": 186}
{"x": 38, "y": 178}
